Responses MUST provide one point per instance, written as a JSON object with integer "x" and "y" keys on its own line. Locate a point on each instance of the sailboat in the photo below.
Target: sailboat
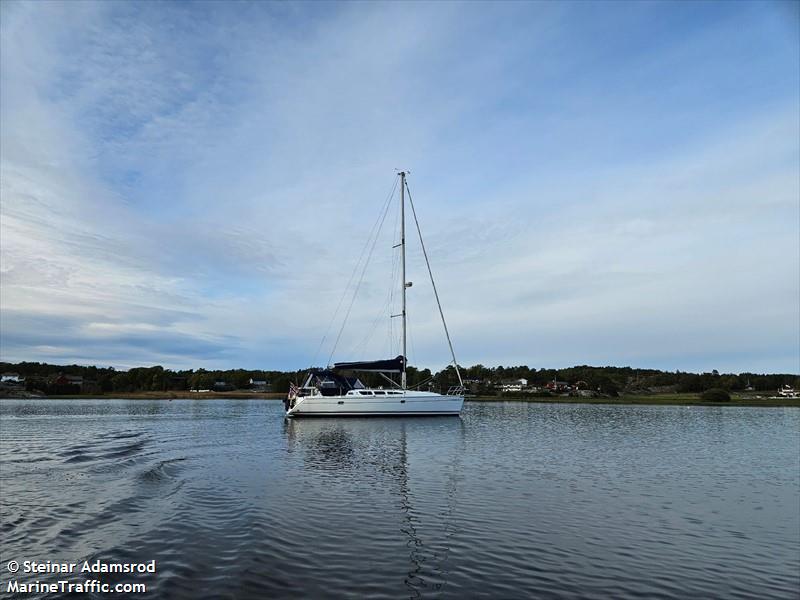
{"x": 335, "y": 392}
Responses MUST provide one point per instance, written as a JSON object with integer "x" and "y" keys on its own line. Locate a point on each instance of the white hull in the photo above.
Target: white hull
{"x": 408, "y": 404}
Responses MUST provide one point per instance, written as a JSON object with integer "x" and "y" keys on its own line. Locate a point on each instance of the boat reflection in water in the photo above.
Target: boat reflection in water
{"x": 409, "y": 470}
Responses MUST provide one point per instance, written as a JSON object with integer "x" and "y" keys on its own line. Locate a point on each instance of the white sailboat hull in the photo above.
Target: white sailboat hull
{"x": 408, "y": 404}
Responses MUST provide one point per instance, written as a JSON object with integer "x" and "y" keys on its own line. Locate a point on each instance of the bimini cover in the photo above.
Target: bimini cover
{"x": 391, "y": 365}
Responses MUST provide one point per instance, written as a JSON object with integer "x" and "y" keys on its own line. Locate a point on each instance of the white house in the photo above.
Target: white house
{"x": 513, "y": 385}
{"x": 259, "y": 385}
{"x": 11, "y": 378}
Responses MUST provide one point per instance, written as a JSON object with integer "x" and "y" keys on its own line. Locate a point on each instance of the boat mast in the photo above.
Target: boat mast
{"x": 405, "y": 285}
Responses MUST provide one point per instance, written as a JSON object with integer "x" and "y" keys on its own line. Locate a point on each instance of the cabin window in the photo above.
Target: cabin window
{"x": 380, "y": 393}
{"x": 365, "y": 393}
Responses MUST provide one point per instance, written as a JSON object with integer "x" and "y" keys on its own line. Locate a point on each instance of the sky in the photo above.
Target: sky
{"x": 192, "y": 184}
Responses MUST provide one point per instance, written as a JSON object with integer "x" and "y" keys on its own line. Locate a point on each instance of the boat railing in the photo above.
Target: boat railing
{"x": 456, "y": 390}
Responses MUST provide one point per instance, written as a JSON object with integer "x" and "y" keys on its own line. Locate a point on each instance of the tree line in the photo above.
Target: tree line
{"x": 613, "y": 380}
{"x": 480, "y": 379}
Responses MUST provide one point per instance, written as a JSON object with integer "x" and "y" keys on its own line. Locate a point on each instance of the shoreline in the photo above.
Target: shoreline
{"x": 653, "y": 400}
{"x": 171, "y": 395}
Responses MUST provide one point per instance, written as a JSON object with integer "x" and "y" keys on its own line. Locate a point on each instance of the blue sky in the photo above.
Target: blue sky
{"x": 191, "y": 184}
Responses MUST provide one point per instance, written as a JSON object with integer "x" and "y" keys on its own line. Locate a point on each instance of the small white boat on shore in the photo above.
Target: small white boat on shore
{"x": 337, "y": 392}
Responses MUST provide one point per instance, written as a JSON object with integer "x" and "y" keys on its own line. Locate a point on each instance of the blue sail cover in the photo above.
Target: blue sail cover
{"x": 391, "y": 365}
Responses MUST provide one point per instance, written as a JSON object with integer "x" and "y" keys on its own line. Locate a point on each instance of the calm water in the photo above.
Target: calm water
{"x": 512, "y": 500}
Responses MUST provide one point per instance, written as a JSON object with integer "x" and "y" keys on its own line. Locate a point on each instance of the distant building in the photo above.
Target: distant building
{"x": 259, "y": 385}
{"x": 222, "y": 386}
{"x": 12, "y": 380}
{"x": 513, "y": 385}
{"x": 61, "y": 380}
{"x": 558, "y": 386}
{"x": 72, "y": 384}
